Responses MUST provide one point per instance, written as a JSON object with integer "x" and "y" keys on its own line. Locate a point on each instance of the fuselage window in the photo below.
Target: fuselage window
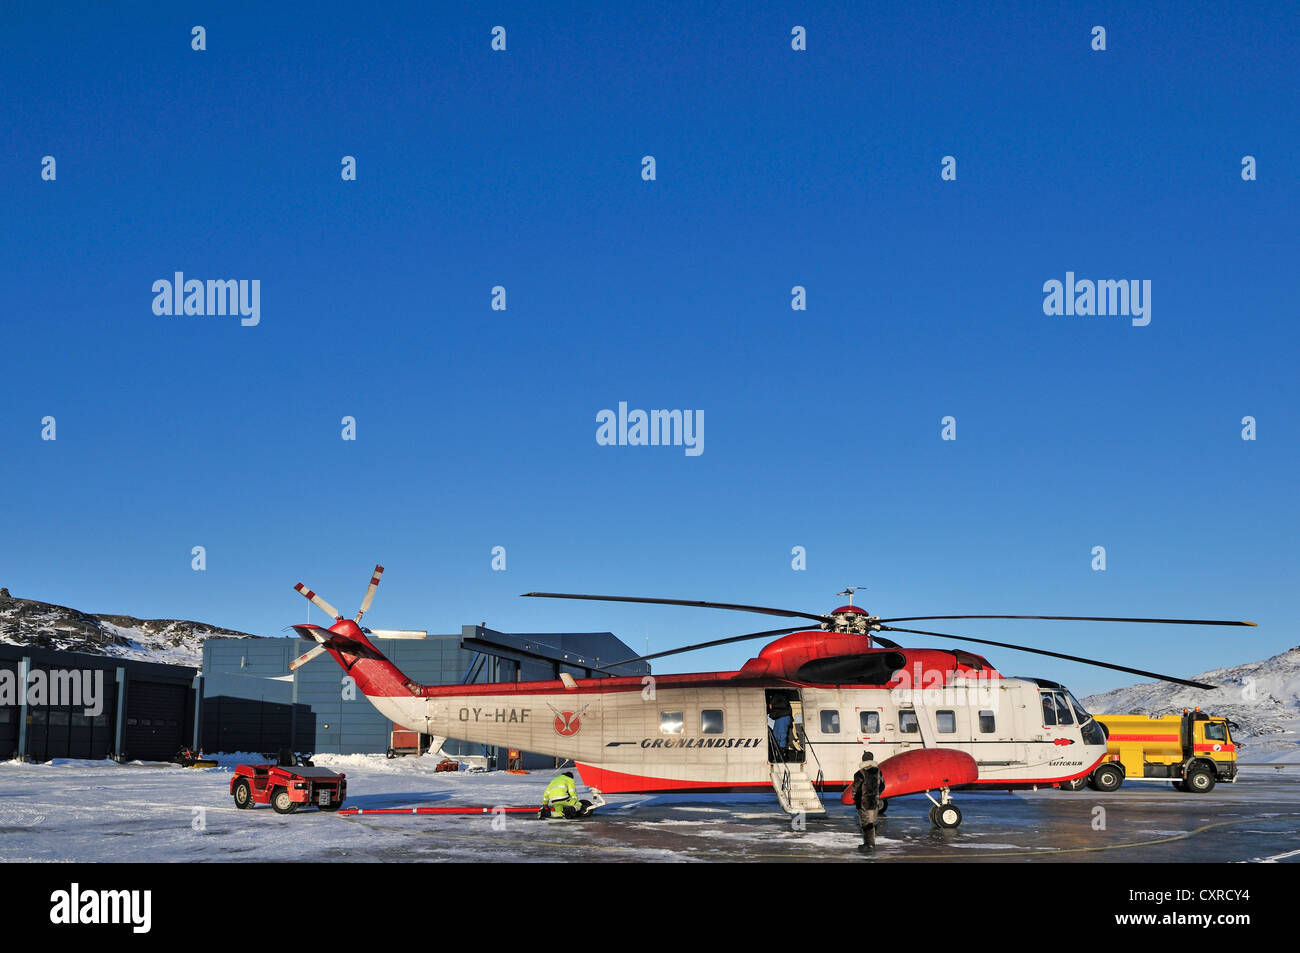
{"x": 830, "y": 722}
{"x": 869, "y": 721}
{"x": 711, "y": 721}
{"x": 1049, "y": 711}
{"x": 946, "y": 722}
{"x": 907, "y": 723}
{"x": 988, "y": 722}
{"x": 670, "y": 722}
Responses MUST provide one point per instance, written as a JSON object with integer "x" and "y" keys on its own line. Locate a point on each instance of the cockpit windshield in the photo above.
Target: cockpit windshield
{"x": 1079, "y": 711}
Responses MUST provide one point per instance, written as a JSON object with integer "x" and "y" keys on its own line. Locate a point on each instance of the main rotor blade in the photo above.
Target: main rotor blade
{"x": 706, "y": 645}
{"x": 1070, "y": 658}
{"x": 735, "y": 607}
{"x": 1065, "y": 618}
{"x": 370, "y": 593}
{"x": 319, "y": 602}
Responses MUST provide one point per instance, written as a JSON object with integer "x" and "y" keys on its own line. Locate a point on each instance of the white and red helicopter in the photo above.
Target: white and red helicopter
{"x": 934, "y": 719}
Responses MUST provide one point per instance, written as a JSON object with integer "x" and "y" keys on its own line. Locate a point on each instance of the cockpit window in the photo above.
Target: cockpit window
{"x": 1079, "y": 711}
{"x": 1049, "y": 710}
{"x": 1063, "y": 715}
{"x": 1216, "y": 731}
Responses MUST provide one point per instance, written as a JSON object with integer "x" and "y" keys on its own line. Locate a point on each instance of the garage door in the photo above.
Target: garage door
{"x": 155, "y": 720}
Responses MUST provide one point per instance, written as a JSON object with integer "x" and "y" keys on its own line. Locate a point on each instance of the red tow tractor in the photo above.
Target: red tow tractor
{"x": 286, "y": 787}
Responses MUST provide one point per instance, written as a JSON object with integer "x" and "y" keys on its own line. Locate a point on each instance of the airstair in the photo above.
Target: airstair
{"x": 795, "y": 791}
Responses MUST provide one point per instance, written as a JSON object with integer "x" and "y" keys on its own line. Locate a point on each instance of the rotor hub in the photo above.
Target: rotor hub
{"x": 852, "y": 619}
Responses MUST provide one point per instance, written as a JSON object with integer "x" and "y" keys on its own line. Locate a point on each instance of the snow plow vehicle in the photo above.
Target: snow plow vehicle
{"x": 288, "y": 787}
{"x": 1191, "y": 751}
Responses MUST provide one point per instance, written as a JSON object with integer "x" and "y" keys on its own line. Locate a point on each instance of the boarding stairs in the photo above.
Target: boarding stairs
{"x": 795, "y": 790}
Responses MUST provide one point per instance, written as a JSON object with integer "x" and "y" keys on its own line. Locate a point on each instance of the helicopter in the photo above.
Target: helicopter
{"x": 935, "y": 719}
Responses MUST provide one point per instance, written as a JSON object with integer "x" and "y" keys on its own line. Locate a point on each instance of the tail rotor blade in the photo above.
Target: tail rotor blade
{"x": 306, "y": 657}
{"x": 370, "y": 593}
{"x": 319, "y": 602}
{"x": 1068, "y": 658}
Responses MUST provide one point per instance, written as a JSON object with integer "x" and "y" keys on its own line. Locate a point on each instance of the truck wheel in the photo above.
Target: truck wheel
{"x": 1199, "y": 781}
{"x": 243, "y": 794}
{"x": 1075, "y": 785}
{"x": 1107, "y": 778}
{"x": 947, "y": 816}
{"x": 281, "y": 801}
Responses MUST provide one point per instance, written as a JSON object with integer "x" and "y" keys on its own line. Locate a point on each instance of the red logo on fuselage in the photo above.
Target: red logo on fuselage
{"x": 567, "y": 723}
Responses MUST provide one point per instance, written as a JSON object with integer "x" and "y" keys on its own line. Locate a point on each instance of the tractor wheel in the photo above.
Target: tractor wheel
{"x": 947, "y": 816}
{"x": 281, "y": 801}
{"x": 1107, "y": 778}
{"x": 243, "y": 794}
{"x": 1199, "y": 780}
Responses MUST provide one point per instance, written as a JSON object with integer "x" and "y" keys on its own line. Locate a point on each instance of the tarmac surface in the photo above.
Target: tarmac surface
{"x": 99, "y": 811}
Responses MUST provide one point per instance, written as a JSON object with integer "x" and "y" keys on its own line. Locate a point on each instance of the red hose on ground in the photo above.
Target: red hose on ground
{"x": 437, "y": 810}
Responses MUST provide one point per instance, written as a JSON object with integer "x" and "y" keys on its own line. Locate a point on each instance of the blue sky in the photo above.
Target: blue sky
{"x": 775, "y": 168}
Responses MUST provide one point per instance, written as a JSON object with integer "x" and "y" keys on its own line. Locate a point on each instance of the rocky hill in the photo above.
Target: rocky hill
{"x": 1263, "y": 698}
{"x": 48, "y": 626}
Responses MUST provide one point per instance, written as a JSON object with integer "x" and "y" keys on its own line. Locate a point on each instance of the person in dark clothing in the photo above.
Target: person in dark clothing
{"x": 868, "y": 785}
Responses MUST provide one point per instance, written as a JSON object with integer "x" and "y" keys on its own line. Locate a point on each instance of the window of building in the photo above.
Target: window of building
{"x": 946, "y": 722}
{"x": 988, "y": 722}
{"x": 907, "y": 723}
{"x": 711, "y": 721}
{"x": 670, "y": 722}
{"x": 869, "y": 722}
{"x": 830, "y": 722}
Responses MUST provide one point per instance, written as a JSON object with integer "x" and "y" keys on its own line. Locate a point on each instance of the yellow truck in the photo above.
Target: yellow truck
{"x": 1192, "y": 751}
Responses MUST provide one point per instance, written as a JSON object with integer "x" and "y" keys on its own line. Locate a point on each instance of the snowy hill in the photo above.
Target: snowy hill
{"x": 48, "y": 626}
{"x": 1262, "y": 697}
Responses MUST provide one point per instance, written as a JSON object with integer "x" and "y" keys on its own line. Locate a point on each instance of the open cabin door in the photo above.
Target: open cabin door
{"x": 786, "y": 742}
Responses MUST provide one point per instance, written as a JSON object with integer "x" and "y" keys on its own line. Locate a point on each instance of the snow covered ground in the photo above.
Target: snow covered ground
{"x": 82, "y": 811}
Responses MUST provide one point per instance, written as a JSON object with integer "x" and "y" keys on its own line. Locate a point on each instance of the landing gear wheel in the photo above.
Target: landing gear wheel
{"x": 243, "y": 795}
{"x": 934, "y": 820}
{"x": 1107, "y": 778}
{"x": 1199, "y": 781}
{"x": 282, "y": 803}
{"x": 946, "y": 816}
{"x": 1075, "y": 785}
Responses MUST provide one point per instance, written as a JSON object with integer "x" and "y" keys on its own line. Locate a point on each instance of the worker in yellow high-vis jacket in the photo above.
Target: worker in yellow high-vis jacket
{"x": 561, "y": 798}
